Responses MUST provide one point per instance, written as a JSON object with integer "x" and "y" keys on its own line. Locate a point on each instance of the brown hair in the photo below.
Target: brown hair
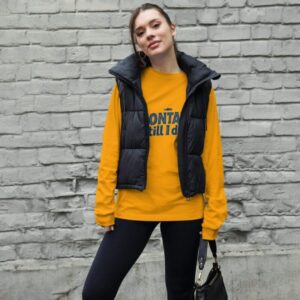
{"x": 134, "y": 15}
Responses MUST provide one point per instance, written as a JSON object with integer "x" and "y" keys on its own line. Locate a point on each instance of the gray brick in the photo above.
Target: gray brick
{"x": 263, "y": 81}
{"x": 236, "y": 3}
{"x": 84, "y": 152}
{"x": 99, "y": 36}
{"x": 102, "y": 86}
{"x": 10, "y": 125}
{"x": 49, "y": 38}
{"x": 286, "y": 236}
{"x": 38, "y": 6}
{"x": 262, "y": 64}
{"x": 119, "y": 20}
{"x": 94, "y": 5}
{"x": 233, "y": 97}
{"x": 286, "y": 48}
{"x": 77, "y": 54}
{"x": 229, "y": 82}
{"x": 293, "y": 64}
{"x": 261, "y": 96}
{"x": 101, "y": 53}
{"x": 17, "y": 6}
{"x": 185, "y": 17}
{"x": 249, "y": 15}
{"x": 215, "y": 3}
{"x": 91, "y": 135}
{"x": 290, "y": 81}
{"x": 99, "y": 118}
{"x": 79, "y": 20}
{"x": 285, "y": 96}
{"x": 261, "y": 31}
{"x": 261, "y": 112}
{"x": 208, "y": 50}
{"x": 8, "y": 22}
{"x": 190, "y": 48}
{"x": 229, "y": 16}
{"x": 81, "y": 119}
{"x": 282, "y": 32}
{"x": 291, "y": 15}
{"x": 32, "y": 21}
{"x": 229, "y": 32}
{"x": 254, "y": 48}
{"x": 230, "y": 49}
{"x": 259, "y": 237}
{"x": 120, "y": 52}
{"x": 207, "y": 16}
{"x": 23, "y": 73}
{"x": 237, "y": 224}
{"x": 79, "y": 86}
{"x": 31, "y": 251}
{"x": 26, "y": 157}
{"x": 8, "y": 157}
{"x": 42, "y": 86}
{"x": 7, "y": 107}
{"x": 95, "y": 70}
{"x": 7, "y": 253}
{"x": 270, "y": 15}
{"x": 231, "y": 65}
{"x": 55, "y": 71}
{"x": 260, "y": 129}
{"x": 286, "y": 128}
{"x": 259, "y": 144}
{"x": 35, "y": 122}
{"x": 94, "y": 102}
{"x": 8, "y": 72}
{"x": 191, "y": 34}
{"x": 67, "y": 5}
{"x": 291, "y": 111}
{"x": 229, "y": 113}
{"x": 234, "y": 129}
{"x": 183, "y": 3}
{"x": 265, "y": 2}
{"x": 59, "y": 122}
{"x": 56, "y": 155}
{"x": 13, "y": 37}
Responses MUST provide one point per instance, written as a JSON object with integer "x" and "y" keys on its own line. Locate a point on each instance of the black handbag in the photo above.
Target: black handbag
{"x": 213, "y": 288}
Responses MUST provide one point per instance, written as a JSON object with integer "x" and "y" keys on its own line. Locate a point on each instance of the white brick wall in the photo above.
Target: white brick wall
{"x": 54, "y": 92}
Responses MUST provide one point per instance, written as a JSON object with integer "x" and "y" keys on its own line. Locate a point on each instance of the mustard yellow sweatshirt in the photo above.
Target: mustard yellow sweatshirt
{"x": 162, "y": 200}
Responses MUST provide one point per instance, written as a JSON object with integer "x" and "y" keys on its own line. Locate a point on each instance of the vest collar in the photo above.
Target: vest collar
{"x": 129, "y": 69}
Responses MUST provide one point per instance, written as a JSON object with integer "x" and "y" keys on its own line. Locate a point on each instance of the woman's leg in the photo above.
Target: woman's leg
{"x": 181, "y": 241}
{"x": 117, "y": 253}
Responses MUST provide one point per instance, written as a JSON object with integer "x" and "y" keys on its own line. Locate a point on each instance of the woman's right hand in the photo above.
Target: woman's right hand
{"x": 109, "y": 228}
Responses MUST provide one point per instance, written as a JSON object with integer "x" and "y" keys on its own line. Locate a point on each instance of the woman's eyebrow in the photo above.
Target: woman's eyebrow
{"x": 142, "y": 26}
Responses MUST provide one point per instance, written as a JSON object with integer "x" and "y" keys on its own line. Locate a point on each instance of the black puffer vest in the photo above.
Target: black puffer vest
{"x": 134, "y": 143}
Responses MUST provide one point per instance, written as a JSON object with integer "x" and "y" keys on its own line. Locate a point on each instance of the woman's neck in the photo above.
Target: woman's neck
{"x": 165, "y": 62}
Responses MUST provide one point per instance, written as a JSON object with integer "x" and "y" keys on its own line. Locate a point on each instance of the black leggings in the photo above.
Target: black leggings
{"x": 120, "y": 249}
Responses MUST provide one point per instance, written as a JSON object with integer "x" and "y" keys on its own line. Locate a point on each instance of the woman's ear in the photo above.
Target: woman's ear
{"x": 173, "y": 29}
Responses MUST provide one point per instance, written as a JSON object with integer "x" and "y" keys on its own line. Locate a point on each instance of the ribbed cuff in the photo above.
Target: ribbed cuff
{"x": 209, "y": 234}
{"x": 105, "y": 220}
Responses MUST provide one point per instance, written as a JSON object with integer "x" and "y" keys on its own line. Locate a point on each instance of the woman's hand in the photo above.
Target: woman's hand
{"x": 108, "y": 228}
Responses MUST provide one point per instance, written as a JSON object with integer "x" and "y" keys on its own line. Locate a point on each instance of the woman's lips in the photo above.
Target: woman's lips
{"x": 154, "y": 45}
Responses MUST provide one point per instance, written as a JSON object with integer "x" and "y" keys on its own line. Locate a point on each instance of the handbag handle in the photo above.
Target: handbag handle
{"x": 202, "y": 253}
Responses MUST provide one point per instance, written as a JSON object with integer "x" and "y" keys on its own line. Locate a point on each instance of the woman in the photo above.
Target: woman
{"x": 154, "y": 152}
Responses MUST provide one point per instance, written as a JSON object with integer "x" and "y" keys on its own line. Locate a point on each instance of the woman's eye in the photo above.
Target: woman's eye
{"x": 141, "y": 32}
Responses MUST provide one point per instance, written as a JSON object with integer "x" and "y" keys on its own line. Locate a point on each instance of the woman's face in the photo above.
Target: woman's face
{"x": 150, "y": 26}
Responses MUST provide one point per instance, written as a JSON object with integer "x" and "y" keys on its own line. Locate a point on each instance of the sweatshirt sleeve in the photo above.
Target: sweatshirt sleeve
{"x": 107, "y": 171}
{"x": 215, "y": 211}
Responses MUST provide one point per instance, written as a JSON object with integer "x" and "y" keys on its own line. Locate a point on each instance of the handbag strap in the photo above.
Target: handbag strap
{"x": 202, "y": 253}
